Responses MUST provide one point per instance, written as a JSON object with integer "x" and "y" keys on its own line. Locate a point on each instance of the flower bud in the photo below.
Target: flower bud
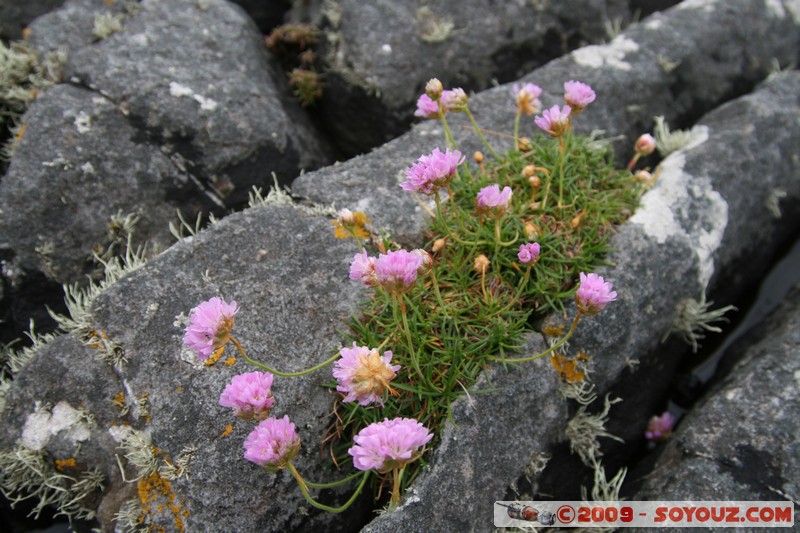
{"x": 478, "y": 157}
{"x": 528, "y": 171}
{"x": 524, "y": 144}
{"x": 535, "y": 182}
{"x": 480, "y": 264}
{"x": 346, "y": 216}
{"x": 645, "y": 145}
{"x": 531, "y": 230}
{"x": 434, "y": 89}
{"x": 426, "y": 261}
{"x": 438, "y": 245}
{"x": 643, "y": 176}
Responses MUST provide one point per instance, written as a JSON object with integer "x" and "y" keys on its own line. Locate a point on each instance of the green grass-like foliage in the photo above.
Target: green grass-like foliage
{"x": 482, "y": 319}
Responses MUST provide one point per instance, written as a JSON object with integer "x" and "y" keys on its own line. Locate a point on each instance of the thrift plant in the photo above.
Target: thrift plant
{"x": 499, "y": 254}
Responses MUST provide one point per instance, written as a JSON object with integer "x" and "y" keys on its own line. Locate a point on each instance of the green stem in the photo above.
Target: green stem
{"x": 561, "y": 152}
{"x": 398, "y": 478}
{"x": 262, "y": 366}
{"x": 516, "y": 130}
{"x": 332, "y": 483}
{"x": 480, "y": 134}
{"x": 304, "y": 489}
{"x": 400, "y": 306}
{"x": 448, "y": 135}
{"x": 439, "y": 214}
{"x": 438, "y": 294}
{"x": 548, "y": 351}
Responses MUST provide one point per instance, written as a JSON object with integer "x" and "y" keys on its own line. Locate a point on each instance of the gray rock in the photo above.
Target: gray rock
{"x": 15, "y": 16}
{"x": 196, "y": 79}
{"x": 78, "y": 165}
{"x": 289, "y": 277}
{"x": 650, "y": 69}
{"x": 740, "y": 442}
{"x": 378, "y": 57}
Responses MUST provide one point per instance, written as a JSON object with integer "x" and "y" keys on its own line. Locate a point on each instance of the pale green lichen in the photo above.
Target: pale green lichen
{"x": 172, "y": 470}
{"x": 140, "y": 453}
{"x": 669, "y": 141}
{"x": 28, "y": 475}
{"x": 432, "y": 28}
{"x": 106, "y": 24}
{"x": 584, "y": 430}
{"x": 693, "y": 319}
{"x": 603, "y": 490}
{"x": 128, "y": 518}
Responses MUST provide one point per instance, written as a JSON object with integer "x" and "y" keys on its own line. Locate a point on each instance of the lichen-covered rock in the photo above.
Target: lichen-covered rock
{"x": 80, "y": 165}
{"x": 289, "y": 277}
{"x": 741, "y": 441}
{"x": 378, "y": 56}
{"x": 195, "y": 78}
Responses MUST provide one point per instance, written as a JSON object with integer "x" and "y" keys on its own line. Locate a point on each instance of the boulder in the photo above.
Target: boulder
{"x": 740, "y": 441}
{"x": 15, "y": 16}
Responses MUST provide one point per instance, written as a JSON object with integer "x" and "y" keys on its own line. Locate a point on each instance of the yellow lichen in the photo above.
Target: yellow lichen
{"x": 567, "y": 368}
{"x": 61, "y": 464}
{"x": 215, "y": 356}
{"x": 229, "y": 361}
{"x": 226, "y": 431}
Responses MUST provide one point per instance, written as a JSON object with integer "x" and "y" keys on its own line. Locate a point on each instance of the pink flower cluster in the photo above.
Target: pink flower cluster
{"x": 364, "y": 374}
{"x": 493, "y": 201}
{"x": 210, "y": 325}
{"x": 384, "y": 446}
{"x": 593, "y": 294}
{"x": 529, "y": 253}
{"x": 395, "y": 271}
{"x": 249, "y": 395}
{"x": 435, "y": 102}
{"x": 660, "y": 427}
{"x": 527, "y": 97}
{"x": 554, "y": 120}
{"x": 432, "y": 171}
{"x": 578, "y": 95}
{"x": 272, "y": 444}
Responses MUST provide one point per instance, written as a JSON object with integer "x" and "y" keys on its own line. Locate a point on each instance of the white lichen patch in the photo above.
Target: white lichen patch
{"x": 675, "y": 192}
{"x": 779, "y": 8}
{"x": 43, "y": 424}
{"x": 119, "y": 433}
{"x": 83, "y": 122}
{"x": 611, "y": 54}
{"x": 653, "y": 23}
{"x": 87, "y": 168}
{"x": 178, "y": 90}
{"x": 706, "y": 6}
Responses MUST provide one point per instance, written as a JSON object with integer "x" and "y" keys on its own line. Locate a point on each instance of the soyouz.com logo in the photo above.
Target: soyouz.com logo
{"x": 644, "y": 514}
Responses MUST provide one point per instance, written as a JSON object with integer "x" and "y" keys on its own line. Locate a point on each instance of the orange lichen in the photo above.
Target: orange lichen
{"x": 357, "y": 227}
{"x": 119, "y": 401}
{"x": 215, "y": 356}
{"x": 567, "y": 369}
{"x": 226, "y": 431}
{"x": 26, "y": 32}
{"x": 21, "y": 132}
{"x": 61, "y": 464}
{"x": 229, "y": 361}
{"x": 156, "y": 495}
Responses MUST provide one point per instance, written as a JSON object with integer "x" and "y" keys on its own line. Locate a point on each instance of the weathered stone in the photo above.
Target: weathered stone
{"x": 289, "y": 276}
{"x": 194, "y": 78}
{"x": 377, "y": 57}
{"x": 15, "y": 16}
{"x": 741, "y": 441}
{"x": 80, "y": 163}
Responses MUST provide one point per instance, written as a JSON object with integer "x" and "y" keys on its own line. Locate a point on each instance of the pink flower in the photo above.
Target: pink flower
{"x": 364, "y": 374}
{"x": 578, "y": 95}
{"x": 645, "y": 145}
{"x": 249, "y": 395}
{"x": 434, "y": 88}
{"x": 454, "y": 100}
{"x": 210, "y": 325}
{"x": 660, "y": 427}
{"x": 397, "y": 271}
{"x": 432, "y": 171}
{"x": 527, "y": 97}
{"x": 593, "y": 294}
{"x": 363, "y": 269}
{"x": 426, "y": 108}
{"x": 529, "y": 252}
{"x": 272, "y": 444}
{"x": 491, "y": 200}
{"x": 554, "y": 121}
{"x": 384, "y": 446}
